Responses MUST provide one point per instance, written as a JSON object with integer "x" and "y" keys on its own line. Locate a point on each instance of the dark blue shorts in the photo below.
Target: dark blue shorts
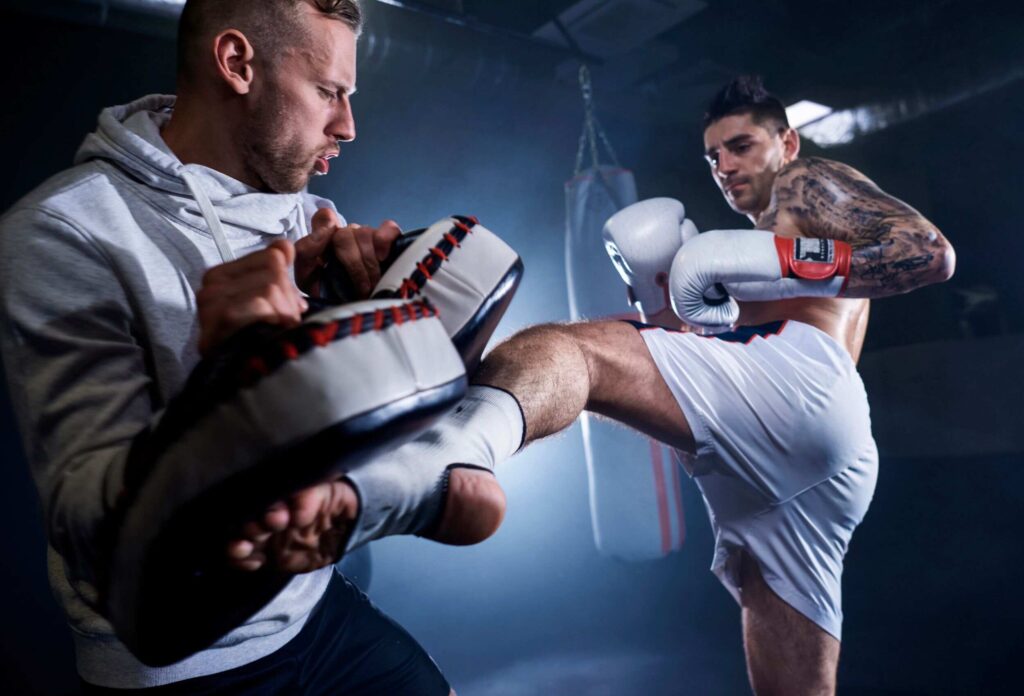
{"x": 348, "y": 646}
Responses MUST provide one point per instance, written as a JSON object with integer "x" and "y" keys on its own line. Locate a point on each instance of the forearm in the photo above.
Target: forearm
{"x": 895, "y": 249}
{"x": 905, "y": 254}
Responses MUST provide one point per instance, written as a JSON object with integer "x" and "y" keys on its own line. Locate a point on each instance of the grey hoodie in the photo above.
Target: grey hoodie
{"x": 98, "y": 272}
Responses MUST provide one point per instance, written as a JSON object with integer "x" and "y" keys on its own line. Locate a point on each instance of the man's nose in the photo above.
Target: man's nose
{"x": 726, "y": 165}
{"x": 343, "y": 125}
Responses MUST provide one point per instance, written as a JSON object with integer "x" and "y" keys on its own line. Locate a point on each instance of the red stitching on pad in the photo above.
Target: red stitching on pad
{"x": 408, "y": 288}
{"x": 294, "y": 343}
{"x": 432, "y": 262}
{"x": 322, "y": 335}
{"x": 257, "y": 365}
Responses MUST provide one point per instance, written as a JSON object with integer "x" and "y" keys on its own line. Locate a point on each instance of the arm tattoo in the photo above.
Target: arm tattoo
{"x": 895, "y": 249}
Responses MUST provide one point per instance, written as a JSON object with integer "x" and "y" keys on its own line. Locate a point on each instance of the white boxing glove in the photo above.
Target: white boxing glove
{"x": 753, "y": 265}
{"x": 642, "y": 239}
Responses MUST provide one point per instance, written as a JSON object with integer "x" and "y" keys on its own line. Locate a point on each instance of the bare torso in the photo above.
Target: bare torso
{"x": 845, "y": 320}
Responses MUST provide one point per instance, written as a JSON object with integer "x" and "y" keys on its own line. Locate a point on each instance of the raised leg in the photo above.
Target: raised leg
{"x": 558, "y": 370}
{"x": 554, "y": 371}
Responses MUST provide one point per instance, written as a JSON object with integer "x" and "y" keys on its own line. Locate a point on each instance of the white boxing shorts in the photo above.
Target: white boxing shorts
{"x": 784, "y": 457}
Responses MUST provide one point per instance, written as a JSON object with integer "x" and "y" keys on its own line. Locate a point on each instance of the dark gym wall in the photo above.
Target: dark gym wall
{"x": 932, "y": 576}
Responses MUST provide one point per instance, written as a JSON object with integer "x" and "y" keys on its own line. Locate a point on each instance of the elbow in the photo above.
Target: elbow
{"x": 945, "y": 262}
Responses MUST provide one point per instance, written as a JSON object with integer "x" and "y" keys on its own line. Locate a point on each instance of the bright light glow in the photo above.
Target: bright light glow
{"x": 835, "y": 129}
{"x": 160, "y": 6}
{"x": 804, "y": 112}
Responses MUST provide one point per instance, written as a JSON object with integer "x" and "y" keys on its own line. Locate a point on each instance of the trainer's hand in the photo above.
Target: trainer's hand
{"x": 360, "y": 250}
{"x": 255, "y": 288}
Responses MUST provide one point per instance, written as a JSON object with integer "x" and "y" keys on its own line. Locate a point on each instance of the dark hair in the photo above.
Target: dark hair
{"x": 269, "y": 25}
{"x": 746, "y": 95}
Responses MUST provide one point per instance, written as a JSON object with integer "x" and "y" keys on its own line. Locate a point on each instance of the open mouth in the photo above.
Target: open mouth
{"x": 323, "y": 163}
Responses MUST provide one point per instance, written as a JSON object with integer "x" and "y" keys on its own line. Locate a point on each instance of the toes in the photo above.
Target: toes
{"x": 277, "y": 517}
{"x": 240, "y": 549}
{"x": 307, "y": 506}
{"x": 256, "y": 531}
{"x": 253, "y": 563}
{"x": 299, "y": 552}
{"x": 243, "y": 555}
{"x": 307, "y": 532}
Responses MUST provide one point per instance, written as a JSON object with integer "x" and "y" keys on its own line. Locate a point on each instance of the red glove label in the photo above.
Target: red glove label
{"x": 813, "y": 259}
{"x": 813, "y": 250}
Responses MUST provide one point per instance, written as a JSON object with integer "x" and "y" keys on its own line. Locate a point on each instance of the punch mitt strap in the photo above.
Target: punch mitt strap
{"x": 271, "y": 413}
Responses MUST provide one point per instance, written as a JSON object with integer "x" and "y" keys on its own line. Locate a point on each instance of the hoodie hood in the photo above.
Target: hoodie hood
{"x": 128, "y": 137}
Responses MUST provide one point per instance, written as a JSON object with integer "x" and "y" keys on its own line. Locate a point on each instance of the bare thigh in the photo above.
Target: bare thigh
{"x": 558, "y": 370}
{"x": 787, "y": 653}
{"x": 626, "y": 384}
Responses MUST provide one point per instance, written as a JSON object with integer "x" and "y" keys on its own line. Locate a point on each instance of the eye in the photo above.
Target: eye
{"x": 741, "y": 148}
{"x": 327, "y": 94}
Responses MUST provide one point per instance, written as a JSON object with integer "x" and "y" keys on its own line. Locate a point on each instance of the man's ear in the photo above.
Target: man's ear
{"x": 234, "y": 56}
{"x": 790, "y": 145}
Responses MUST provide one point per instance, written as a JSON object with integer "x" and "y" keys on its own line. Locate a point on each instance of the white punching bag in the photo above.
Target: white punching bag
{"x": 635, "y": 499}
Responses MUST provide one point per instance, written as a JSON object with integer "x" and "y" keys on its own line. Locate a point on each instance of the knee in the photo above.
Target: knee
{"x": 474, "y": 507}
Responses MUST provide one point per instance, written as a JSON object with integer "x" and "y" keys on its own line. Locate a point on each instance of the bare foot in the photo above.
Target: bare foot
{"x": 304, "y": 533}
{"x": 473, "y": 509}
{"x": 309, "y": 531}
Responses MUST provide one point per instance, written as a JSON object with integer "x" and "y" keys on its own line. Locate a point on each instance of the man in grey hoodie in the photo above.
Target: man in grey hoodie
{"x": 183, "y": 220}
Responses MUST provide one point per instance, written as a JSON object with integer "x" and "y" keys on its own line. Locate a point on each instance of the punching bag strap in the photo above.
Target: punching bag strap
{"x": 592, "y": 130}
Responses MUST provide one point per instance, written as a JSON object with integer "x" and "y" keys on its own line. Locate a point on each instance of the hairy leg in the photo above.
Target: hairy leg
{"x": 787, "y": 653}
{"x": 556, "y": 371}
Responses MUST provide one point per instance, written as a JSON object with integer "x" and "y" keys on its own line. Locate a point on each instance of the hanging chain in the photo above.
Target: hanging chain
{"x": 592, "y": 129}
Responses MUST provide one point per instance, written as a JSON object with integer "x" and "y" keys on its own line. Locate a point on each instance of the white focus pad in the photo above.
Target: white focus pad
{"x": 457, "y": 264}
{"x": 642, "y": 239}
{"x": 270, "y": 413}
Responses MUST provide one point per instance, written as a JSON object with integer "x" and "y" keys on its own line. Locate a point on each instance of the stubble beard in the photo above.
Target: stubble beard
{"x": 275, "y": 158}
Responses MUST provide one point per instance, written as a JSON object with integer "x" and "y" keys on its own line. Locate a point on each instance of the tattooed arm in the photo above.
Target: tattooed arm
{"x": 895, "y": 249}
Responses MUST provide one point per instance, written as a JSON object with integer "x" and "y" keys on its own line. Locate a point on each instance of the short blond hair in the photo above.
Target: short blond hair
{"x": 269, "y": 25}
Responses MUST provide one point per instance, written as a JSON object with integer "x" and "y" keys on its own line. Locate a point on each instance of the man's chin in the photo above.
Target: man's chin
{"x": 292, "y": 184}
{"x": 744, "y": 205}
{"x": 737, "y": 205}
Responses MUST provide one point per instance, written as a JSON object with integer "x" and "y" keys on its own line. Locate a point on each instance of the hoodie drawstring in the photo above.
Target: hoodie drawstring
{"x": 210, "y": 215}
